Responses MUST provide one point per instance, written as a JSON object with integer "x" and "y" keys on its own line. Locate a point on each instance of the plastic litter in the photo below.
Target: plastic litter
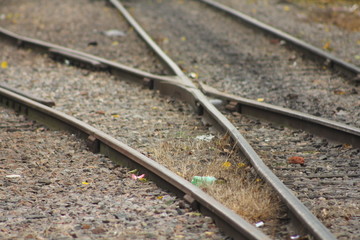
{"x": 133, "y": 176}
{"x": 114, "y": 33}
{"x": 206, "y": 138}
{"x": 294, "y": 237}
{"x": 259, "y": 224}
{"x": 203, "y": 180}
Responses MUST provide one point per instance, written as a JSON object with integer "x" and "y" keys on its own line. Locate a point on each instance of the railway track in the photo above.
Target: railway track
{"x": 330, "y": 168}
{"x": 116, "y": 150}
{"x": 328, "y": 59}
{"x": 52, "y": 187}
{"x": 182, "y": 87}
{"x": 267, "y": 68}
{"x": 324, "y": 165}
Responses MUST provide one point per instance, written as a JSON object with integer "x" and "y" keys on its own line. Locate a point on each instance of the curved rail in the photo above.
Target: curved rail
{"x": 21, "y": 93}
{"x": 330, "y": 59}
{"x": 181, "y": 87}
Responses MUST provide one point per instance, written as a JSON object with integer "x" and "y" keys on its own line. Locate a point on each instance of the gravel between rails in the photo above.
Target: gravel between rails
{"x": 327, "y": 183}
{"x": 297, "y": 18}
{"x": 235, "y": 59}
{"x": 83, "y": 26}
{"x": 51, "y": 187}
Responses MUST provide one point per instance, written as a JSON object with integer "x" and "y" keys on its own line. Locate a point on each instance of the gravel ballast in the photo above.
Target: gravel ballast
{"x": 90, "y": 26}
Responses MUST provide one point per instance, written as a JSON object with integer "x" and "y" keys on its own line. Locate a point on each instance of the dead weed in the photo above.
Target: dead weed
{"x": 238, "y": 187}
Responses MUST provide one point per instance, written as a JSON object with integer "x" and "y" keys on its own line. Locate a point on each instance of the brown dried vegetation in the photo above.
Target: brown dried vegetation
{"x": 344, "y": 14}
{"x": 238, "y": 187}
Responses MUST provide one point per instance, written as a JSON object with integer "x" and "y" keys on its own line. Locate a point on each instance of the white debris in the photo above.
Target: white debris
{"x": 193, "y": 75}
{"x": 354, "y": 8}
{"x": 206, "y": 138}
{"x": 342, "y": 113}
{"x": 13, "y": 176}
{"x": 114, "y": 33}
{"x": 259, "y": 224}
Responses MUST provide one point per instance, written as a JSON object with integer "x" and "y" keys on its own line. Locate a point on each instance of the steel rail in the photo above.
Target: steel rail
{"x": 308, "y": 222}
{"x": 27, "y": 95}
{"x": 319, "y": 126}
{"x": 165, "y": 58}
{"x": 100, "y": 142}
{"x": 328, "y": 58}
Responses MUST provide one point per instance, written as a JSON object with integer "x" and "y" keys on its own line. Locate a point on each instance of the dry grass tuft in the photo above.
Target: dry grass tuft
{"x": 238, "y": 187}
{"x": 325, "y": 2}
{"x": 341, "y": 13}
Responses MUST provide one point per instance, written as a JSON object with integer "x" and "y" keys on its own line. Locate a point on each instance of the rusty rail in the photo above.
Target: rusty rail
{"x": 319, "y": 126}
{"x": 48, "y": 103}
